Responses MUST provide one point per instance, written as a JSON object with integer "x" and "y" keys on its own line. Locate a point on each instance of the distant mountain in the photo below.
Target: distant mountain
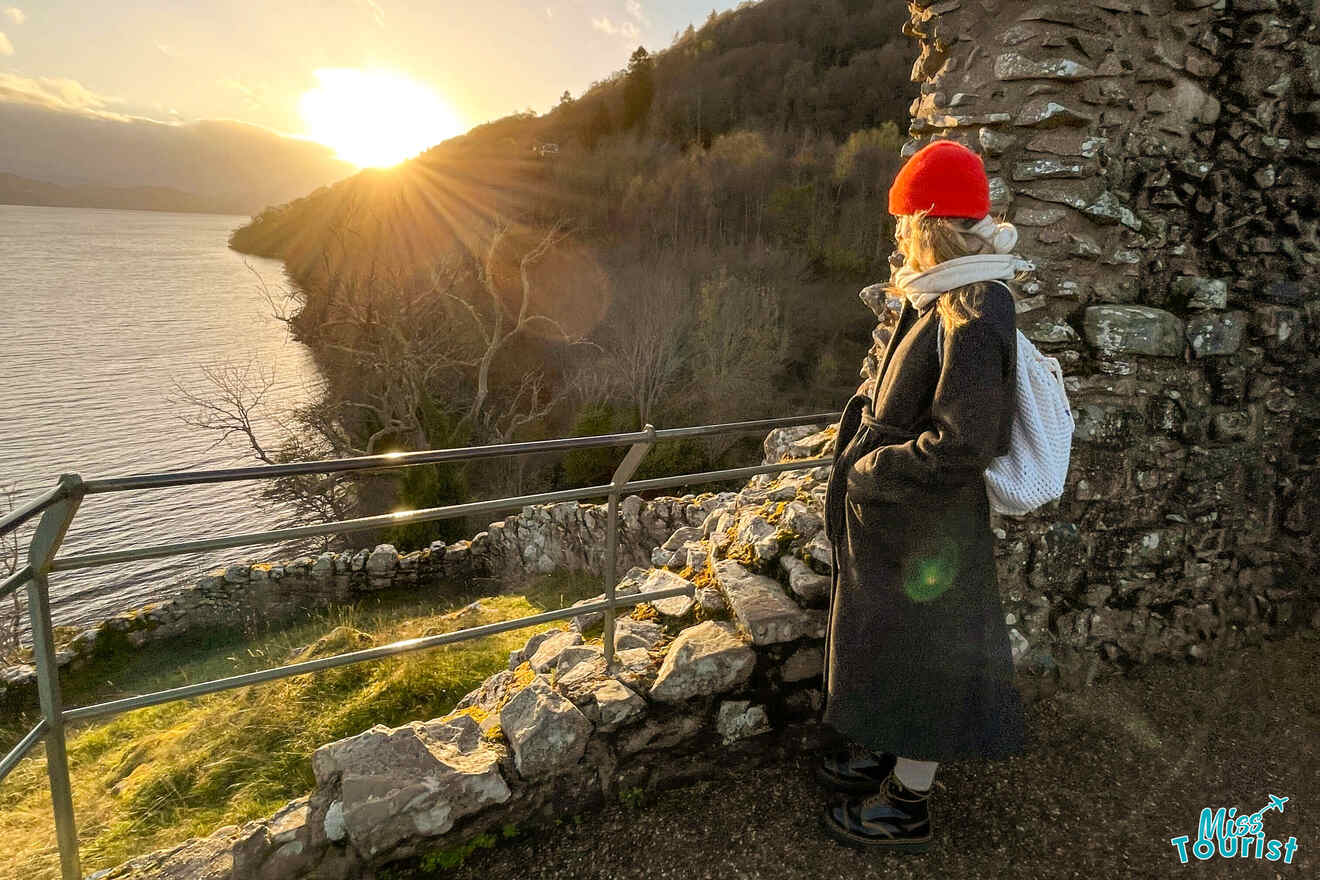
{"x": 15, "y": 190}
{"x": 211, "y": 165}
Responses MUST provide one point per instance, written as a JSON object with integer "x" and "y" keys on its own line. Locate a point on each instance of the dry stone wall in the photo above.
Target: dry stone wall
{"x": 541, "y": 538}
{"x": 732, "y": 671}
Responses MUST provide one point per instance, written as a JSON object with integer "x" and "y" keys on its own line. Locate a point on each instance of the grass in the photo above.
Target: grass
{"x": 152, "y": 778}
{"x": 437, "y": 862}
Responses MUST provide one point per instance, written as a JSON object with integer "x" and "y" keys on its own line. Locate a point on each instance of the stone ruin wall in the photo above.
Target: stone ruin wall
{"x": 1161, "y": 161}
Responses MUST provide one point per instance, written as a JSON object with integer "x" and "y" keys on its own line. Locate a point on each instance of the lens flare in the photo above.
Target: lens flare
{"x": 930, "y": 576}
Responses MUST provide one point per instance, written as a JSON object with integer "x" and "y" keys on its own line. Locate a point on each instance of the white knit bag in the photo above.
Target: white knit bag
{"x": 1033, "y": 471}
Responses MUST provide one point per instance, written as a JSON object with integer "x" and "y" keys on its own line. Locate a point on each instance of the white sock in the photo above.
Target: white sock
{"x": 916, "y": 775}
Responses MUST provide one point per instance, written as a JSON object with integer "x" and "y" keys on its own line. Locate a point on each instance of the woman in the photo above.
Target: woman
{"x": 917, "y": 661}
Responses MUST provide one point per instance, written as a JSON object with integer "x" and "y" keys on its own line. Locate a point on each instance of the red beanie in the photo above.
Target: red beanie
{"x": 944, "y": 177}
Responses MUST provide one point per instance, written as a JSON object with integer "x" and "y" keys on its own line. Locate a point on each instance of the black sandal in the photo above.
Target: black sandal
{"x": 893, "y": 818}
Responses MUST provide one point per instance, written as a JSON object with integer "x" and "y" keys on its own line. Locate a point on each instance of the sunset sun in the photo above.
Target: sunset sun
{"x": 375, "y": 118}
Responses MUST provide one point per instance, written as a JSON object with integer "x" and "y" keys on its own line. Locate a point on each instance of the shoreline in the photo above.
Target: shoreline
{"x": 128, "y": 210}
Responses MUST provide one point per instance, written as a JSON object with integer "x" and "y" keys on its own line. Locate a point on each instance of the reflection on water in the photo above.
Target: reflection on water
{"x": 99, "y": 311}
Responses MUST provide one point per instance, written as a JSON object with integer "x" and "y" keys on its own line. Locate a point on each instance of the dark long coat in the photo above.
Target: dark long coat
{"x": 917, "y": 657}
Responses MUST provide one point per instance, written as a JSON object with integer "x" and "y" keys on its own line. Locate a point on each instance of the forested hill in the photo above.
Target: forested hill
{"x": 801, "y": 75}
{"x": 829, "y": 66}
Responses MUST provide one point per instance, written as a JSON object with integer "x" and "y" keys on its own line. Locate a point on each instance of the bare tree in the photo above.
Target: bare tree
{"x": 496, "y": 330}
{"x": 740, "y": 342}
{"x": 400, "y": 348}
{"x": 11, "y": 617}
{"x": 424, "y": 354}
{"x": 438, "y": 344}
{"x": 235, "y": 407}
{"x": 646, "y": 346}
{"x": 284, "y": 303}
{"x": 235, "y": 394}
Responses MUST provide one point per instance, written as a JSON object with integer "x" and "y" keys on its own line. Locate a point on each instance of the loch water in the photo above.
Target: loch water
{"x": 100, "y": 312}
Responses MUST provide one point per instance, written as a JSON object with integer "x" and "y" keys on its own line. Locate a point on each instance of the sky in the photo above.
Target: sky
{"x": 254, "y": 60}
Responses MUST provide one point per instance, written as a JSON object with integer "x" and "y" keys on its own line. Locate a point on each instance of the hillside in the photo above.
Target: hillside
{"x": 803, "y": 76}
{"x": 712, "y": 210}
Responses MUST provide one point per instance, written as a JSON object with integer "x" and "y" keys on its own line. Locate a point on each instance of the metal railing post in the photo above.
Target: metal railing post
{"x": 45, "y": 541}
{"x": 622, "y": 474}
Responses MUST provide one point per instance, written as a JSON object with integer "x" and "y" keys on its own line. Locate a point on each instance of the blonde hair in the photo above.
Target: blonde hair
{"x": 925, "y": 242}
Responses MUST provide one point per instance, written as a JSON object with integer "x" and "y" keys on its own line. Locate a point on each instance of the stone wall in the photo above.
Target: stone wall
{"x": 734, "y": 669}
{"x": 1160, "y": 160}
{"x": 541, "y": 538}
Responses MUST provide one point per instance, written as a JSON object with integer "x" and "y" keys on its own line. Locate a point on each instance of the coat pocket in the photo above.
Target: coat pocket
{"x": 866, "y": 485}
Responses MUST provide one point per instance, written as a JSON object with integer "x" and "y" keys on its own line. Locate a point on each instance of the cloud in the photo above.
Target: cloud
{"x": 253, "y": 96}
{"x": 15, "y": 15}
{"x": 634, "y": 9}
{"x": 6, "y": 47}
{"x": 628, "y": 30}
{"x": 53, "y": 93}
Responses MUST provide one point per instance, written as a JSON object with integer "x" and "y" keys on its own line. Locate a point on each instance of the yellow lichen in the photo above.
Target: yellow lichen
{"x": 743, "y": 553}
{"x": 477, "y": 714}
{"x": 775, "y": 513}
{"x": 523, "y": 674}
{"x": 645, "y": 611}
{"x": 704, "y": 578}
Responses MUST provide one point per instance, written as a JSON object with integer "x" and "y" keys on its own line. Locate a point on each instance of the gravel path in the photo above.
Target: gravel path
{"x": 1114, "y": 771}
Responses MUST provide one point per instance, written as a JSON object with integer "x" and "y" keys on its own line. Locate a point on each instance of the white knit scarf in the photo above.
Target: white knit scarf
{"x": 921, "y": 288}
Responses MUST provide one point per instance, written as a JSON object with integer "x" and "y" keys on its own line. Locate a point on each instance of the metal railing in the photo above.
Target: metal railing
{"x": 58, "y": 506}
